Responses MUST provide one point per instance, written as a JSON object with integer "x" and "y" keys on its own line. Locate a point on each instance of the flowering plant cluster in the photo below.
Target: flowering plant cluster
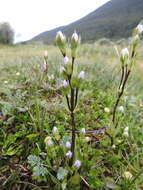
{"x": 67, "y": 158}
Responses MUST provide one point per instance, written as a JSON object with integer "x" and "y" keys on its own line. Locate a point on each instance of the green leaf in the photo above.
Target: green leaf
{"x": 34, "y": 160}
{"x": 62, "y": 173}
{"x": 30, "y": 136}
{"x": 75, "y": 179}
{"x": 39, "y": 171}
{"x": 111, "y": 185}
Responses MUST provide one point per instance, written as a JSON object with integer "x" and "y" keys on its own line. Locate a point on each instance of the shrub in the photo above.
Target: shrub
{"x": 6, "y": 33}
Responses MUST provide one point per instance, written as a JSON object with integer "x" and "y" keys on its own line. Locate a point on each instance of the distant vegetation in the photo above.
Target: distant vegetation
{"x": 6, "y": 33}
{"x": 113, "y": 20}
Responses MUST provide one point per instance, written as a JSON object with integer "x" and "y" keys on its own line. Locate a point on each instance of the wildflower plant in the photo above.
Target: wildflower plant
{"x": 127, "y": 60}
{"x": 70, "y": 84}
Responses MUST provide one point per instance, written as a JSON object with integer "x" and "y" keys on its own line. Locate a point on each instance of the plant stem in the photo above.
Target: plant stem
{"x": 120, "y": 95}
{"x": 73, "y": 138}
{"x": 122, "y": 77}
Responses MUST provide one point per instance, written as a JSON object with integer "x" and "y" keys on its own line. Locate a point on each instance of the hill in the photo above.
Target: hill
{"x": 114, "y": 20}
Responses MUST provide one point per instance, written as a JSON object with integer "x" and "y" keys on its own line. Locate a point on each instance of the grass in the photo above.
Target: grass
{"x": 30, "y": 107}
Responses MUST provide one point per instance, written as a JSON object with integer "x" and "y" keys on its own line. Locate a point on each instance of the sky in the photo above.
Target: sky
{"x": 31, "y": 17}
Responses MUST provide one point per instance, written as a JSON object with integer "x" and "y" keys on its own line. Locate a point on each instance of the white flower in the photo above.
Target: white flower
{"x": 66, "y": 59}
{"x": 48, "y": 141}
{"x": 5, "y": 82}
{"x": 46, "y": 53}
{"x": 83, "y": 130}
{"x": 125, "y": 134}
{"x": 107, "y": 110}
{"x": 77, "y": 163}
{"x": 68, "y": 145}
{"x": 126, "y": 129}
{"x": 64, "y": 84}
{"x": 55, "y": 130}
{"x": 17, "y": 73}
{"x": 81, "y": 75}
{"x": 127, "y": 175}
{"x": 60, "y": 35}
{"x": 69, "y": 154}
{"x": 113, "y": 146}
{"x": 62, "y": 69}
{"x": 44, "y": 66}
{"x": 75, "y": 37}
{"x": 51, "y": 77}
{"x": 124, "y": 53}
{"x": 139, "y": 28}
{"x": 121, "y": 108}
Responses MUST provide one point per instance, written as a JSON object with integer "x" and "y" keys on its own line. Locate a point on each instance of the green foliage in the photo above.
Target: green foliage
{"x": 6, "y": 33}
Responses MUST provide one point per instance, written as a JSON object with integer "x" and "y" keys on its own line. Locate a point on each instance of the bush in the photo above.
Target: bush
{"x": 6, "y": 33}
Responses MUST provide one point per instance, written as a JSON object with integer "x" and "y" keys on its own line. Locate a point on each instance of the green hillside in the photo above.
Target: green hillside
{"x": 114, "y": 20}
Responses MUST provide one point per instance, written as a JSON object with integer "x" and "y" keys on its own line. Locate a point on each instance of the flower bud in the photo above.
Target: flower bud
{"x": 64, "y": 84}
{"x": 5, "y": 82}
{"x": 121, "y": 108}
{"x": 75, "y": 40}
{"x": 51, "y": 77}
{"x": 61, "y": 42}
{"x": 55, "y": 130}
{"x": 125, "y": 134}
{"x": 17, "y": 74}
{"x": 68, "y": 145}
{"x": 107, "y": 110}
{"x": 66, "y": 59}
{"x": 113, "y": 146}
{"x": 83, "y": 130}
{"x": 139, "y": 28}
{"x": 46, "y": 54}
{"x": 62, "y": 69}
{"x": 127, "y": 175}
{"x": 44, "y": 66}
{"x": 126, "y": 129}
{"x": 69, "y": 154}
{"x": 124, "y": 53}
{"x": 77, "y": 163}
{"x": 81, "y": 75}
{"x": 48, "y": 141}
{"x": 87, "y": 139}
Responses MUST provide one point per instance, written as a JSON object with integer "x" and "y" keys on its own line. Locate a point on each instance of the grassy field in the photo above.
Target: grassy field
{"x": 32, "y": 104}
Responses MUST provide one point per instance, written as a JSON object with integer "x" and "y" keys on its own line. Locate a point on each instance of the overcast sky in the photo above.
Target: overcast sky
{"x": 31, "y": 17}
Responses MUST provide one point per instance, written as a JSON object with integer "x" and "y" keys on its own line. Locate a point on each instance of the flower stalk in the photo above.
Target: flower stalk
{"x": 71, "y": 93}
{"x": 127, "y": 61}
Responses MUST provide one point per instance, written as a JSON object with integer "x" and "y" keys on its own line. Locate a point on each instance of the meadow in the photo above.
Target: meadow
{"x": 35, "y": 122}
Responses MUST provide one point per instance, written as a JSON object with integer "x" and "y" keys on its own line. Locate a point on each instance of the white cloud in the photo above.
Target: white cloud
{"x": 30, "y": 17}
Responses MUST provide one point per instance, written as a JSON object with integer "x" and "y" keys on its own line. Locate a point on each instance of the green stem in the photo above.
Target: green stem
{"x": 73, "y": 138}
{"x": 120, "y": 95}
{"x": 76, "y": 97}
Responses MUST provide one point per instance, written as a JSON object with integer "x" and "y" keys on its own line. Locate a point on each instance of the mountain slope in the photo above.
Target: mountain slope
{"x": 114, "y": 20}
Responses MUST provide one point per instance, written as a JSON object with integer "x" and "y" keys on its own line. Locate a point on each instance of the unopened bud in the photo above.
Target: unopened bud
{"x": 46, "y": 54}
{"x": 81, "y": 75}
{"x": 66, "y": 59}
{"x": 127, "y": 175}
{"x": 124, "y": 53}
{"x": 48, "y": 141}
{"x": 61, "y": 42}
{"x": 107, "y": 110}
{"x": 75, "y": 40}
{"x": 64, "y": 84}
{"x": 139, "y": 28}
